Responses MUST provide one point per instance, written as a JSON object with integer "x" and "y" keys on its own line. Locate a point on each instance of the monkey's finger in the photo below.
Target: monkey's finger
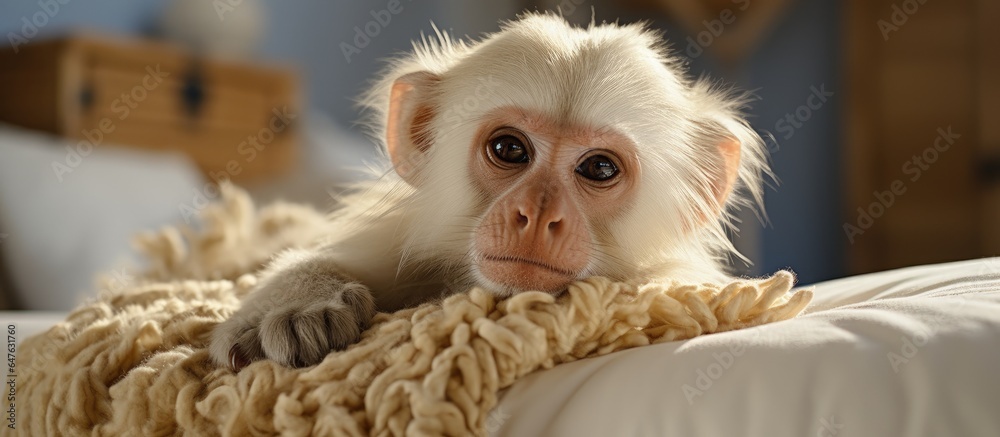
{"x": 237, "y": 361}
{"x": 245, "y": 350}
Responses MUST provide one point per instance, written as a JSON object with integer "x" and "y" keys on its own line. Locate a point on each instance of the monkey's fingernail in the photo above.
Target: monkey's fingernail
{"x": 236, "y": 359}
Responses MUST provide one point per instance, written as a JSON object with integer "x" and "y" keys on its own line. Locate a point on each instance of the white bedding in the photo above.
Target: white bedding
{"x": 66, "y": 216}
{"x": 910, "y": 352}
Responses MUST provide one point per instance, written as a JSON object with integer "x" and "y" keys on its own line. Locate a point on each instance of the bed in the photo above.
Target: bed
{"x": 907, "y": 352}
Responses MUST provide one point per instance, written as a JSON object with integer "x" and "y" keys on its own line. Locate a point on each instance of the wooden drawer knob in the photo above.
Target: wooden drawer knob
{"x": 193, "y": 93}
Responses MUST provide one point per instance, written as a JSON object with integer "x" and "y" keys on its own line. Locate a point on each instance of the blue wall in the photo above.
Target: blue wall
{"x": 310, "y": 34}
{"x": 805, "y": 230}
{"x": 127, "y": 16}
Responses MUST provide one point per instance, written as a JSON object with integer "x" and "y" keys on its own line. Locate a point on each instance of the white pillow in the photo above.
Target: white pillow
{"x": 910, "y": 352}
{"x": 66, "y": 219}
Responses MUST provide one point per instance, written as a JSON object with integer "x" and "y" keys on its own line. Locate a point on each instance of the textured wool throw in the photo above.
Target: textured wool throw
{"x": 134, "y": 362}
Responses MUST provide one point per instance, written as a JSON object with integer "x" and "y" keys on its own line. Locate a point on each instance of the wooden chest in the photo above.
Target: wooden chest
{"x": 234, "y": 120}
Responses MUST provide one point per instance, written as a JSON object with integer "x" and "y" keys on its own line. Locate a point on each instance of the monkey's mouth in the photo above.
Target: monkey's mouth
{"x": 514, "y": 259}
{"x": 525, "y": 274}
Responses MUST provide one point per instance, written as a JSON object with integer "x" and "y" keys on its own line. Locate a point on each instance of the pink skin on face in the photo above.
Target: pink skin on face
{"x": 537, "y": 235}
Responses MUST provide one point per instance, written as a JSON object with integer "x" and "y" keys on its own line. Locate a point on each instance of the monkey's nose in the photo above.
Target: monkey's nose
{"x": 540, "y": 220}
{"x": 554, "y": 225}
{"x": 522, "y": 219}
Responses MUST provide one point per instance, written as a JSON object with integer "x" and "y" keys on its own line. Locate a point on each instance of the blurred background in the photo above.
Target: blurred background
{"x": 881, "y": 116}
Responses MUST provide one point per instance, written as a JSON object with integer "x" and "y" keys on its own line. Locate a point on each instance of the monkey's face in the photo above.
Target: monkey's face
{"x": 523, "y": 153}
{"x": 551, "y": 190}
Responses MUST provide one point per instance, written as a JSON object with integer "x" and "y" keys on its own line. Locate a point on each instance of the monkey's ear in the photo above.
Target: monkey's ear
{"x": 407, "y": 130}
{"x": 729, "y": 151}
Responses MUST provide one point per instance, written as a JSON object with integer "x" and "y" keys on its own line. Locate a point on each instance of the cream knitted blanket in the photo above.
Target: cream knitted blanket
{"x": 134, "y": 360}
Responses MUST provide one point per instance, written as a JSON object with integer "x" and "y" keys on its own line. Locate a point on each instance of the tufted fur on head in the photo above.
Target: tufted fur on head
{"x": 690, "y": 136}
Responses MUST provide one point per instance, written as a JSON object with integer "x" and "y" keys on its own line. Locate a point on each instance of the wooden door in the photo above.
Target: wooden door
{"x": 922, "y": 132}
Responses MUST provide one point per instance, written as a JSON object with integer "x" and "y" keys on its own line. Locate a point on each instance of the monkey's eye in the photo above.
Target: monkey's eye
{"x": 509, "y": 148}
{"x": 597, "y": 168}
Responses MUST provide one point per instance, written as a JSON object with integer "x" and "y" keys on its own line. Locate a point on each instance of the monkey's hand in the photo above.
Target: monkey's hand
{"x": 295, "y": 317}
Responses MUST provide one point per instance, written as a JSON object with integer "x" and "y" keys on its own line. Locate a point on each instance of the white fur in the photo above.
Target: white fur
{"x": 403, "y": 240}
{"x": 609, "y": 75}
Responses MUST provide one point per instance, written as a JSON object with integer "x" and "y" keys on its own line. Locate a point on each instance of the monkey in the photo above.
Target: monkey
{"x": 536, "y": 156}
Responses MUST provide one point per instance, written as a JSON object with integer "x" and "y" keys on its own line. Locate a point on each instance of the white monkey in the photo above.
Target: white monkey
{"x": 541, "y": 155}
